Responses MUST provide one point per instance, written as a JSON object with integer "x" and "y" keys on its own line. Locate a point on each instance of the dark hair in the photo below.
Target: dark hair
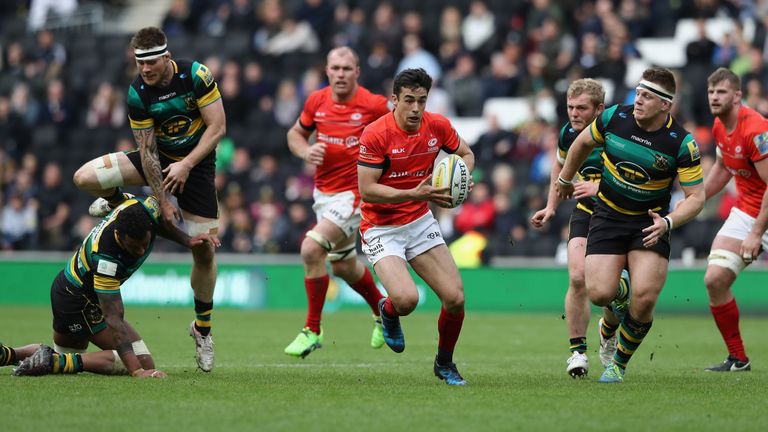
{"x": 148, "y": 37}
{"x": 661, "y": 76}
{"x": 412, "y": 79}
{"x": 723, "y": 74}
{"x": 134, "y": 221}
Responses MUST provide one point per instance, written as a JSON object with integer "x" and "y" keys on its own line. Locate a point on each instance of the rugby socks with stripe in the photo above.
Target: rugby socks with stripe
{"x": 578, "y": 344}
{"x": 607, "y": 330}
{"x": 727, "y": 320}
{"x": 631, "y": 335}
{"x": 448, "y": 329}
{"x": 7, "y": 355}
{"x": 366, "y": 287}
{"x": 316, "y": 289}
{"x": 69, "y": 363}
{"x": 203, "y": 311}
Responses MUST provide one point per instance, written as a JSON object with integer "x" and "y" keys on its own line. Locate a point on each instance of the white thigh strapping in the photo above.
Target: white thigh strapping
{"x": 197, "y": 228}
{"x": 108, "y": 171}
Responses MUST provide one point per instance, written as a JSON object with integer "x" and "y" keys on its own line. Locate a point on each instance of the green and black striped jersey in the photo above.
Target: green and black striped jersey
{"x": 101, "y": 264}
{"x": 174, "y": 111}
{"x": 640, "y": 166}
{"x": 590, "y": 170}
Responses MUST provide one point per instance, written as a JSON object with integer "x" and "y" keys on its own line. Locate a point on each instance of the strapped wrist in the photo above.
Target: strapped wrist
{"x": 137, "y": 372}
{"x": 670, "y": 223}
{"x": 564, "y": 182}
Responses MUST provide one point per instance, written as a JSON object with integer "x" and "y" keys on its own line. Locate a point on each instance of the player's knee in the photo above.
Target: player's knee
{"x": 600, "y": 297}
{"x": 203, "y": 255}
{"x": 454, "y": 302}
{"x": 406, "y": 303}
{"x": 83, "y": 177}
{"x": 714, "y": 282}
{"x": 644, "y": 301}
{"x": 311, "y": 252}
{"x": 345, "y": 269}
{"x": 578, "y": 283}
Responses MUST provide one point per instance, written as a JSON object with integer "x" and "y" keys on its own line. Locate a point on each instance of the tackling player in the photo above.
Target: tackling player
{"x": 86, "y": 302}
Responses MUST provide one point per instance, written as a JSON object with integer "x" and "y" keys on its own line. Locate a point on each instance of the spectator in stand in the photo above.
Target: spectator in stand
{"x": 176, "y": 22}
{"x": 50, "y": 55}
{"x": 495, "y": 145}
{"x": 386, "y": 28}
{"x": 414, "y": 56}
{"x": 319, "y": 14}
{"x": 504, "y": 79}
{"x": 465, "y": 87}
{"x": 378, "y": 68}
{"x": 287, "y": 103}
{"x": 107, "y": 108}
{"x": 18, "y": 223}
{"x": 54, "y": 210}
{"x": 57, "y": 109}
{"x": 478, "y": 213}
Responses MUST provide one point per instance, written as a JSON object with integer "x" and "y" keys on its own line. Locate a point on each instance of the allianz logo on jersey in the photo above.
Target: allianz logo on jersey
{"x": 398, "y": 174}
{"x": 640, "y": 140}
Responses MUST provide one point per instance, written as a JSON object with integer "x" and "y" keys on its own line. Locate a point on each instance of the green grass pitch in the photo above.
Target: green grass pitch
{"x": 514, "y": 363}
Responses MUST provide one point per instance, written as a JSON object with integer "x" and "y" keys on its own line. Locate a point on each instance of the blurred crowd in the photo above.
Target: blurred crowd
{"x": 62, "y": 102}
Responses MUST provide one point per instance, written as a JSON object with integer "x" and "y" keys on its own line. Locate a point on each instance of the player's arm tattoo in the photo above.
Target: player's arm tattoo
{"x": 112, "y": 307}
{"x": 150, "y": 160}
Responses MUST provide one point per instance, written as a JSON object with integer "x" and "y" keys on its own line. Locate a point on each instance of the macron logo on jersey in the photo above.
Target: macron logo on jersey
{"x": 640, "y": 140}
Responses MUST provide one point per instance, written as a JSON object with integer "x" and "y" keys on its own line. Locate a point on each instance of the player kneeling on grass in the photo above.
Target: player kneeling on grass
{"x": 397, "y": 154}
{"x": 86, "y": 302}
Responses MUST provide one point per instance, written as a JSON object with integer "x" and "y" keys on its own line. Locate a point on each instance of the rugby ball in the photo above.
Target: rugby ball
{"x": 452, "y": 172}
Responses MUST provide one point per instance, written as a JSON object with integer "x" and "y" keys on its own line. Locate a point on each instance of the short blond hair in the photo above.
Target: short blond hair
{"x": 588, "y": 86}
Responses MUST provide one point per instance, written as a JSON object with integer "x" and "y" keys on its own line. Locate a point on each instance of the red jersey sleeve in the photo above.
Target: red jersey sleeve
{"x": 372, "y": 153}
{"x": 448, "y": 135}
{"x": 757, "y": 136}
{"x": 307, "y": 117}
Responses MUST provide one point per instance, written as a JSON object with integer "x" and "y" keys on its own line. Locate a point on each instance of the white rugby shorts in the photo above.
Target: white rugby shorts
{"x": 406, "y": 241}
{"x": 338, "y": 208}
{"x": 738, "y": 225}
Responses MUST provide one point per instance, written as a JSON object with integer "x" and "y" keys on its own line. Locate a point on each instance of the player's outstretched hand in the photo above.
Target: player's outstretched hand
{"x": 149, "y": 373}
{"x": 204, "y": 238}
{"x": 541, "y": 217}
{"x": 655, "y": 231}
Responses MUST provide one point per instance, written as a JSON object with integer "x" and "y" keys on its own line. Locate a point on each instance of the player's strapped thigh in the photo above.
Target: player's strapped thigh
{"x": 578, "y": 226}
{"x": 336, "y": 253}
{"x": 74, "y": 312}
{"x": 727, "y": 259}
{"x": 111, "y": 170}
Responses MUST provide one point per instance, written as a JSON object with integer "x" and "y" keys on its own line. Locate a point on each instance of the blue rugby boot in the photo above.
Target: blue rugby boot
{"x": 393, "y": 333}
{"x": 449, "y": 374}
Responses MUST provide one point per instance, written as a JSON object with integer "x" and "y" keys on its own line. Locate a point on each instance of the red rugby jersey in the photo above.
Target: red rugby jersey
{"x": 339, "y": 125}
{"x": 405, "y": 159}
{"x": 748, "y": 143}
